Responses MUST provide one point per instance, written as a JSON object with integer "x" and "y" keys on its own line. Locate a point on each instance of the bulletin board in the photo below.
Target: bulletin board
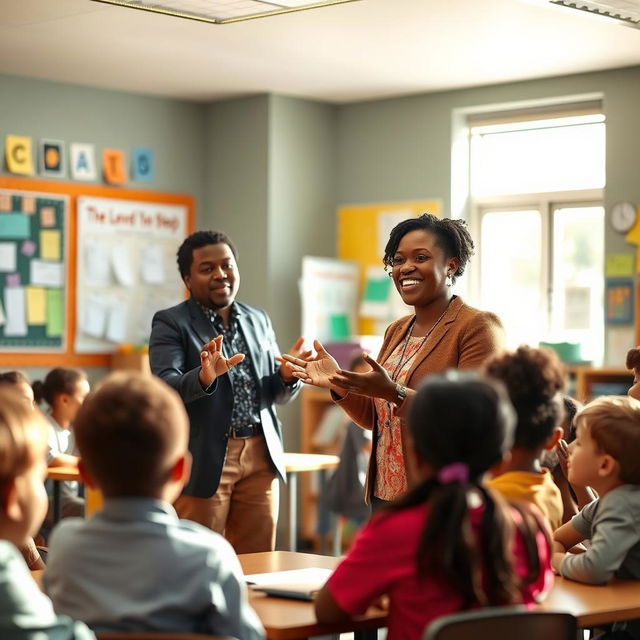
{"x": 126, "y": 269}
{"x": 32, "y": 269}
{"x": 65, "y": 354}
{"x": 363, "y": 231}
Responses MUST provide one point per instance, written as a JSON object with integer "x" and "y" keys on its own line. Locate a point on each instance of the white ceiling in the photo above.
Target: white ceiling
{"x": 344, "y": 53}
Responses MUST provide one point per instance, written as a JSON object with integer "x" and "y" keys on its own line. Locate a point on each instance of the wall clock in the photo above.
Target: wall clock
{"x": 623, "y": 216}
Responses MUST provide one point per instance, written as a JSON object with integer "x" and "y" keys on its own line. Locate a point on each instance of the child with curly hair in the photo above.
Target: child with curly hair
{"x": 633, "y": 363}
{"x": 534, "y": 378}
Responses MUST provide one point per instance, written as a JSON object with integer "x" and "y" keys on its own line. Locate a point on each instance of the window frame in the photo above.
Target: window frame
{"x": 545, "y": 203}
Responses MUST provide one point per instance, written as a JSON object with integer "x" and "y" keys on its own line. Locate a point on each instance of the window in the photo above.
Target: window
{"x": 537, "y": 215}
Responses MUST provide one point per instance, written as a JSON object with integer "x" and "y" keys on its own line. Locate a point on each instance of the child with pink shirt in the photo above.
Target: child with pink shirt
{"x": 450, "y": 543}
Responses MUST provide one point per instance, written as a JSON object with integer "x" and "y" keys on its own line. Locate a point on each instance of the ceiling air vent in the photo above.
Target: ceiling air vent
{"x": 624, "y": 11}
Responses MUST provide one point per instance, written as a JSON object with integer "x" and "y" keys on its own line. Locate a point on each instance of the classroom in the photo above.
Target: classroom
{"x": 281, "y": 131}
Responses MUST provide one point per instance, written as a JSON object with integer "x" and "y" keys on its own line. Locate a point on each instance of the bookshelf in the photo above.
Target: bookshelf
{"x": 586, "y": 380}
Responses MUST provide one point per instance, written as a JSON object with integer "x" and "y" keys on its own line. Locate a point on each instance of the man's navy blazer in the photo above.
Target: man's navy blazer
{"x": 177, "y": 337}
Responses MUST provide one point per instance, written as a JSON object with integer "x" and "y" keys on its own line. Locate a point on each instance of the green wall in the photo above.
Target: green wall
{"x": 111, "y": 119}
{"x": 271, "y": 170}
{"x": 271, "y": 186}
{"x": 401, "y": 148}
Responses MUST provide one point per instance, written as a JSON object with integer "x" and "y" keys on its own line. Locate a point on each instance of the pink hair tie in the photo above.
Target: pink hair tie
{"x": 456, "y": 472}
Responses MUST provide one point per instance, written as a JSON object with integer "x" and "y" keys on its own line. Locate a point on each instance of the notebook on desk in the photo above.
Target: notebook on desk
{"x": 300, "y": 584}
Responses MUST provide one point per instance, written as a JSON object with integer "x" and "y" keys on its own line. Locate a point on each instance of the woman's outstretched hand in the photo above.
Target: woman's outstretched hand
{"x": 316, "y": 370}
{"x": 375, "y": 383}
{"x": 323, "y": 371}
{"x": 297, "y": 351}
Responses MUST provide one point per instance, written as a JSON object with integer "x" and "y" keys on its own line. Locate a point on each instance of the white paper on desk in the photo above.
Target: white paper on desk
{"x": 8, "y": 253}
{"x": 96, "y": 262}
{"x": 16, "y": 310}
{"x": 295, "y": 583}
{"x": 152, "y": 265}
{"x": 94, "y": 317}
{"x": 117, "y": 322}
{"x": 46, "y": 273}
{"x": 121, "y": 263}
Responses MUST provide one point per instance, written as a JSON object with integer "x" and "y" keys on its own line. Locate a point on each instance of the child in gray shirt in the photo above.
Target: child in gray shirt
{"x": 605, "y": 457}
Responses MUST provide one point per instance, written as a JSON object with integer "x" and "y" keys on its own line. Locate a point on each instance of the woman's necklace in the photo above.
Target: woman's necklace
{"x": 402, "y": 362}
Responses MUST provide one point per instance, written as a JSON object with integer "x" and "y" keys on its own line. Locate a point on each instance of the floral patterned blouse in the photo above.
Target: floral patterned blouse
{"x": 391, "y": 478}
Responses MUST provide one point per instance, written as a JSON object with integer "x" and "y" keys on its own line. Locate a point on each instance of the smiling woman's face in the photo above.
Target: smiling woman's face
{"x": 420, "y": 268}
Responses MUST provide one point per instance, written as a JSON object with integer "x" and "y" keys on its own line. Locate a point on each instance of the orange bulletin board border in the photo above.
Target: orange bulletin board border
{"x": 73, "y": 189}
{"x": 358, "y": 235}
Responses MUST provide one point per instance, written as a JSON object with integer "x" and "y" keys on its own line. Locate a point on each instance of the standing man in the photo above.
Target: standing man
{"x": 220, "y": 356}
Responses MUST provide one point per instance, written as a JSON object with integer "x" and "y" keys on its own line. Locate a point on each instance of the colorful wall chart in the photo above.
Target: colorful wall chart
{"x": 33, "y": 237}
{"x": 42, "y": 196}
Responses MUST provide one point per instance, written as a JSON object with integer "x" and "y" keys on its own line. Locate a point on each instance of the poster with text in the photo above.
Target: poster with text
{"x": 126, "y": 269}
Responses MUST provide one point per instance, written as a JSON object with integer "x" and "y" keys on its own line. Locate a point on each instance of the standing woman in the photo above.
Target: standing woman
{"x": 424, "y": 256}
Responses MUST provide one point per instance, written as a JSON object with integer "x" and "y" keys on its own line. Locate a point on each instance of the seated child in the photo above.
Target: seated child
{"x": 533, "y": 378}
{"x": 573, "y": 497}
{"x": 135, "y": 566}
{"x": 449, "y": 543}
{"x": 64, "y": 391}
{"x": 633, "y": 363}
{"x": 25, "y": 612}
{"x": 605, "y": 456}
{"x": 16, "y": 383}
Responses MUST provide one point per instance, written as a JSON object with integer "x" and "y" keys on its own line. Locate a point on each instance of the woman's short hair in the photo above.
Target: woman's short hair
{"x": 452, "y": 235}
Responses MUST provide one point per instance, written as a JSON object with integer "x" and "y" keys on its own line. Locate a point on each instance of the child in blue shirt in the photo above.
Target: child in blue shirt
{"x": 135, "y": 566}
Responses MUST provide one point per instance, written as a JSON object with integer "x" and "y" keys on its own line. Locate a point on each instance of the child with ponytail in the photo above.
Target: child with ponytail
{"x": 449, "y": 543}
{"x": 64, "y": 391}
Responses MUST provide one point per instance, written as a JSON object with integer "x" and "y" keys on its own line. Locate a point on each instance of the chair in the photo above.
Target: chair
{"x": 498, "y": 623}
{"x": 157, "y": 635}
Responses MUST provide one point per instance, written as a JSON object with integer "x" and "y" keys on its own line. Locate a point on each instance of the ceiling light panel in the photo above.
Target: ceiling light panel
{"x": 625, "y": 11}
{"x": 223, "y": 11}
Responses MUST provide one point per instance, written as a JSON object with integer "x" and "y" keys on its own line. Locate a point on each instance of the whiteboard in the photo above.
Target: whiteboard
{"x": 126, "y": 269}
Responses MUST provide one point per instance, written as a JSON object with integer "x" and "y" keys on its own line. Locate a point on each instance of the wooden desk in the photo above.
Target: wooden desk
{"x": 292, "y": 619}
{"x": 58, "y": 475}
{"x": 285, "y": 619}
{"x": 295, "y": 463}
{"x": 595, "y": 605}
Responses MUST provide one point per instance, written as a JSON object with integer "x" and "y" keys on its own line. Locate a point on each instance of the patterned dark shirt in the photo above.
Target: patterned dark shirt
{"x": 246, "y": 408}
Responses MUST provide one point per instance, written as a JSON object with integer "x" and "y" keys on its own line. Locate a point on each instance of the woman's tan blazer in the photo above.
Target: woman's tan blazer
{"x": 464, "y": 339}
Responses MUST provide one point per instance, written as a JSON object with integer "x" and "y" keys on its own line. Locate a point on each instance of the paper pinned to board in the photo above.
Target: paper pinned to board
{"x": 122, "y": 266}
{"x": 377, "y": 294}
{"x": 15, "y": 310}
{"x": 117, "y": 322}
{"x": 94, "y": 318}
{"x": 50, "y": 243}
{"x": 46, "y": 274}
{"x": 96, "y": 262}
{"x": 36, "y": 305}
{"x": 55, "y": 313}
{"x": 152, "y": 265}
{"x": 8, "y": 256}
